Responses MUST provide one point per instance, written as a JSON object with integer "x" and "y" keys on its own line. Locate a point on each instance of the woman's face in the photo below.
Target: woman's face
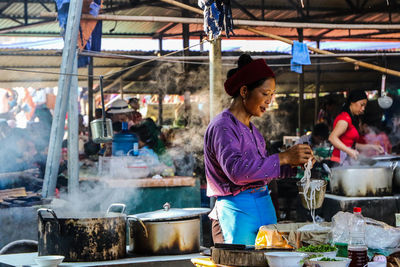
{"x": 258, "y": 100}
{"x": 357, "y": 108}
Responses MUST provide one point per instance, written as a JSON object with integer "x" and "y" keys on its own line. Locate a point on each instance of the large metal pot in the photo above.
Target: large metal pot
{"x": 82, "y": 236}
{"x": 361, "y": 181}
{"x": 167, "y": 231}
{"x": 392, "y": 161}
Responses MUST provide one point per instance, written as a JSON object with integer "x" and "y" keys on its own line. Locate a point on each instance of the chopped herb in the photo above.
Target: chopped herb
{"x": 317, "y": 248}
{"x": 328, "y": 259}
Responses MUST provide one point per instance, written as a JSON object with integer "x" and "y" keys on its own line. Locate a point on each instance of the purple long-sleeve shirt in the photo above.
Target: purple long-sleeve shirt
{"x": 235, "y": 157}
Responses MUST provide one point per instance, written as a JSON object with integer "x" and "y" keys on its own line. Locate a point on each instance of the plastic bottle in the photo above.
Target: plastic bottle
{"x": 357, "y": 247}
{"x": 124, "y": 142}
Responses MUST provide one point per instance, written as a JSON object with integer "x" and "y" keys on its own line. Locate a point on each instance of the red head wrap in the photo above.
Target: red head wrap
{"x": 250, "y": 73}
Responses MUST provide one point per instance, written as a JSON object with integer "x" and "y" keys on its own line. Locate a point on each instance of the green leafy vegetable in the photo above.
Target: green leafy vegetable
{"x": 317, "y": 248}
{"x": 328, "y": 259}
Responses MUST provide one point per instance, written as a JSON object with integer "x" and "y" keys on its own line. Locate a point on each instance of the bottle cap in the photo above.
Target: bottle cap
{"x": 356, "y": 209}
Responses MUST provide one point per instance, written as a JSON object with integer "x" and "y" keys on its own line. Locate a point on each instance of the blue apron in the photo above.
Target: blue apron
{"x": 241, "y": 216}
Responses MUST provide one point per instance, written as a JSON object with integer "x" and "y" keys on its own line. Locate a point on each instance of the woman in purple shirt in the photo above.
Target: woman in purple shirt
{"x": 238, "y": 167}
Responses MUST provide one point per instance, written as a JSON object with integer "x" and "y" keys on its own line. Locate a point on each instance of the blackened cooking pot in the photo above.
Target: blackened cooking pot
{"x": 165, "y": 232}
{"x": 82, "y": 236}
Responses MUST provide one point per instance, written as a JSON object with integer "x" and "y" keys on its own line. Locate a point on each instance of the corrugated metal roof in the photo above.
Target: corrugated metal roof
{"x": 335, "y": 11}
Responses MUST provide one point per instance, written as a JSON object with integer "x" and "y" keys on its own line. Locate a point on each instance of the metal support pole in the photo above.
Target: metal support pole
{"x": 317, "y": 89}
{"x": 57, "y": 127}
{"x": 26, "y": 12}
{"x": 301, "y": 90}
{"x": 160, "y": 107}
{"x": 73, "y": 134}
{"x": 90, "y": 93}
{"x": 216, "y": 83}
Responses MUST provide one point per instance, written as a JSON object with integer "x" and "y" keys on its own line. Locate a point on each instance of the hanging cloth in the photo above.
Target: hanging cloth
{"x": 217, "y": 17}
{"x": 300, "y": 56}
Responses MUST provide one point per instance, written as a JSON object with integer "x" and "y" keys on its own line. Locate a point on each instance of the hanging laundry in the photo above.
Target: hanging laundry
{"x": 62, "y": 8}
{"x": 300, "y": 57}
{"x": 217, "y": 17}
{"x": 90, "y": 31}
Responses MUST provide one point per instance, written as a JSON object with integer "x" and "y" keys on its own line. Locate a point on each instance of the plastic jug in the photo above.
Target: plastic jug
{"x": 124, "y": 142}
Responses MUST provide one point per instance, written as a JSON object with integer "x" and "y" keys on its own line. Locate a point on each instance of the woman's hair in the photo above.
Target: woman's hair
{"x": 243, "y": 60}
{"x": 354, "y": 96}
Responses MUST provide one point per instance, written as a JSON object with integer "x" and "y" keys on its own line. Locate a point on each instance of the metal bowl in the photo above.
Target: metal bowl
{"x": 319, "y": 194}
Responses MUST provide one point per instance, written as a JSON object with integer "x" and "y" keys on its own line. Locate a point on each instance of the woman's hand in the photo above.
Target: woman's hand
{"x": 378, "y": 148}
{"x": 296, "y": 155}
{"x": 352, "y": 153}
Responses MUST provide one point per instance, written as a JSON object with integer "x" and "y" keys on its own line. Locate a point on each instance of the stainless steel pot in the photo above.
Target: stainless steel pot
{"x": 361, "y": 181}
{"x": 82, "y": 236}
{"x": 167, "y": 231}
{"x": 392, "y": 161}
{"x": 102, "y": 131}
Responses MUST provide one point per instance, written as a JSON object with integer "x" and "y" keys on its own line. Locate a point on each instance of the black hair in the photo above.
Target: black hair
{"x": 243, "y": 60}
{"x": 91, "y": 148}
{"x": 144, "y": 135}
{"x": 322, "y": 130}
{"x": 354, "y": 96}
{"x": 117, "y": 126}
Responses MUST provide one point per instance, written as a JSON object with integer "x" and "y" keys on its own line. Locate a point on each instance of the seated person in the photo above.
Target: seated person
{"x": 317, "y": 137}
{"x": 145, "y": 143}
{"x": 371, "y": 133}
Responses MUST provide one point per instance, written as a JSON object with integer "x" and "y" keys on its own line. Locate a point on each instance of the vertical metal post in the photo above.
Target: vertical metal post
{"x": 90, "y": 92}
{"x": 216, "y": 86}
{"x": 317, "y": 88}
{"x": 185, "y": 36}
{"x": 121, "y": 88}
{"x": 26, "y": 12}
{"x": 216, "y": 83}
{"x": 301, "y": 89}
{"x": 57, "y": 127}
{"x": 160, "y": 107}
{"x": 73, "y": 134}
{"x": 160, "y": 45}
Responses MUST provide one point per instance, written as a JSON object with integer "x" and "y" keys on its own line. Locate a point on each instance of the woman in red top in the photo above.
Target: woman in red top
{"x": 345, "y": 135}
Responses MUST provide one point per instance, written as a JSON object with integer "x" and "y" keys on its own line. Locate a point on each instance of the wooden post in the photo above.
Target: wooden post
{"x": 160, "y": 45}
{"x": 301, "y": 90}
{"x": 216, "y": 86}
{"x": 317, "y": 88}
{"x": 185, "y": 36}
{"x": 73, "y": 134}
{"x": 57, "y": 127}
{"x": 90, "y": 93}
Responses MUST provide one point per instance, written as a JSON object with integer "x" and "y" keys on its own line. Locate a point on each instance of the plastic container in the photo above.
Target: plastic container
{"x": 124, "y": 142}
{"x": 357, "y": 247}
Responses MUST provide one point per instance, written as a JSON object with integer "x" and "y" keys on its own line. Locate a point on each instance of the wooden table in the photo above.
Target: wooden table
{"x": 143, "y": 182}
{"x": 27, "y": 259}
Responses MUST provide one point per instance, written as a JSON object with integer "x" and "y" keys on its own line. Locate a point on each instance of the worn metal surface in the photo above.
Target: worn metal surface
{"x": 163, "y": 238}
{"x": 361, "y": 181}
{"x": 80, "y": 238}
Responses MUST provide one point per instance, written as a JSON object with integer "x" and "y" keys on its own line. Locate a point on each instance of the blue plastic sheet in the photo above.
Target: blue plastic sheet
{"x": 62, "y": 8}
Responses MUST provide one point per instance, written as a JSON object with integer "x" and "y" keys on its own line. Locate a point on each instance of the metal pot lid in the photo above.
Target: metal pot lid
{"x": 388, "y": 157}
{"x": 171, "y": 214}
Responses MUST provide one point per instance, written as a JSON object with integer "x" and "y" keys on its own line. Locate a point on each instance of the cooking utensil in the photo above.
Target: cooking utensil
{"x": 384, "y": 101}
{"x": 166, "y": 231}
{"x": 82, "y": 236}
{"x": 361, "y": 181}
{"x": 318, "y": 200}
{"x": 102, "y": 131}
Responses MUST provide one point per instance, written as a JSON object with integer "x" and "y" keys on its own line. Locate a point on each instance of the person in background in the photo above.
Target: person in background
{"x": 237, "y": 165}
{"x": 120, "y": 111}
{"x": 319, "y": 135}
{"x": 98, "y": 113}
{"x": 345, "y": 135}
{"x": 135, "y": 115}
{"x": 325, "y": 114}
{"x": 145, "y": 142}
{"x": 373, "y": 134}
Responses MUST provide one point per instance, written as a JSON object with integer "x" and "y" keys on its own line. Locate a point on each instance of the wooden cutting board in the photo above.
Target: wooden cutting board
{"x": 233, "y": 257}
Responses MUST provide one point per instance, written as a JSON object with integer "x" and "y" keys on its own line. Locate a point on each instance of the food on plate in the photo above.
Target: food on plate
{"x": 317, "y": 248}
